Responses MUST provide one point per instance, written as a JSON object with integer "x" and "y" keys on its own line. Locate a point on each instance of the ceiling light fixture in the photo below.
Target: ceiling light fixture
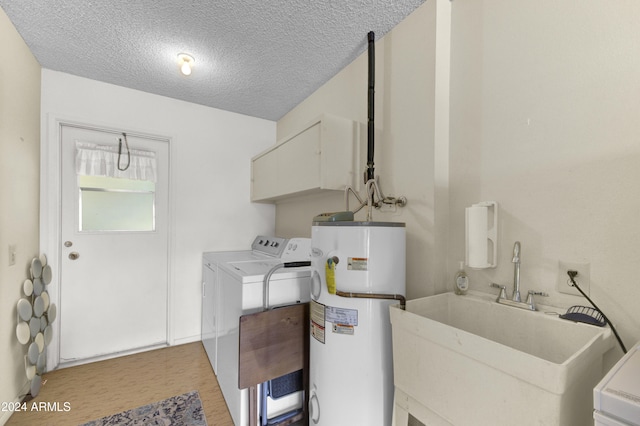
{"x": 185, "y": 62}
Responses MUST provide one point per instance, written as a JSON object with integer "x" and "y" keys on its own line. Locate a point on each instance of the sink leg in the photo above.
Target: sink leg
{"x": 409, "y": 412}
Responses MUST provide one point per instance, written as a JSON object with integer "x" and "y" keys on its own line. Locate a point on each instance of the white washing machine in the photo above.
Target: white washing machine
{"x": 238, "y": 290}
{"x": 616, "y": 398}
{"x": 262, "y": 248}
{"x": 351, "y": 365}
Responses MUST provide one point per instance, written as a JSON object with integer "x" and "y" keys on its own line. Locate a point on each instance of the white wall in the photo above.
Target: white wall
{"x": 409, "y": 119}
{"x": 210, "y": 176}
{"x": 545, "y": 101}
{"x": 19, "y": 195}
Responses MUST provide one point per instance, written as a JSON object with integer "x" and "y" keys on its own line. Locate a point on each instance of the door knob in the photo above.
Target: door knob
{"x": 74, "y": 255}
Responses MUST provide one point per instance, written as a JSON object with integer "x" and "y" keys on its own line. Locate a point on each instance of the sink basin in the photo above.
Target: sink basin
{"x": 467, "y": 360}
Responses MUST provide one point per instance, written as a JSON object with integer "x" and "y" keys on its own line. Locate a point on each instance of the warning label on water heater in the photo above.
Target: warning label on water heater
{"x": 357, "y": 263}
{"x": 343, "y": 329}
{"x": 343, "y": 320}
{"x": 341, "y": 316}
{"x": 317, "y": 321}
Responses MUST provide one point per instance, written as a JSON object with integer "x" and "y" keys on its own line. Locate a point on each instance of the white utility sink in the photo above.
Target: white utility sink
{"x": 467, "y": 360}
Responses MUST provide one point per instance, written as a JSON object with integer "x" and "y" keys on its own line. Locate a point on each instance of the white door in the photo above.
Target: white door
{"x": 114, "y": 249}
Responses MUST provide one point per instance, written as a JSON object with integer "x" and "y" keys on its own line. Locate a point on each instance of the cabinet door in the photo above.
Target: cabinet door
{"x": 209, "y": 333}
{"x": 299, "y": 162}
{"x": 264, "y": 176}
{"x": 319, "y": 157}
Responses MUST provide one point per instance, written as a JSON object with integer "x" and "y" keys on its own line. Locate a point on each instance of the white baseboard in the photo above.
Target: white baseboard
{"x": 74, "y": 362}
{"x": 184, "y": 340}
{"x": 6, "y": 415}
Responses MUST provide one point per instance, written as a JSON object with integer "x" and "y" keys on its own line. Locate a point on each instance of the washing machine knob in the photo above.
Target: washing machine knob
{"x": 314, "y": 409}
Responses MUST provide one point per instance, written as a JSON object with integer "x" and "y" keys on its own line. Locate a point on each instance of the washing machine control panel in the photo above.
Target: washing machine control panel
{"x": 297, "y": 249}
{"x": 273, "y": 246}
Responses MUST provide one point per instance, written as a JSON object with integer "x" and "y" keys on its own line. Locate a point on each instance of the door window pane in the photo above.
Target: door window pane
{"x": 115, "y": 204}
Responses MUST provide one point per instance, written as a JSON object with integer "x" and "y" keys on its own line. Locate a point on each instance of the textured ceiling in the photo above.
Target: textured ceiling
{"x": 255, "y": 57}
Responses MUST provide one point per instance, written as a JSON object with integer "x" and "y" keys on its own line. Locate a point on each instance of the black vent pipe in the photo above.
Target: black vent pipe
{"x": 370, "y": 122}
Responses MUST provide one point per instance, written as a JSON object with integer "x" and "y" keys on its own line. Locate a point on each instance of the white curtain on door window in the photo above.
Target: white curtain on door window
{"x": 102, "y": 160}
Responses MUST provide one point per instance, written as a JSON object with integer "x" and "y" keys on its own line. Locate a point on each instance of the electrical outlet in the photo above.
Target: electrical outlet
{"x": 583, "y": 279}
{"x": 12, "y": 254}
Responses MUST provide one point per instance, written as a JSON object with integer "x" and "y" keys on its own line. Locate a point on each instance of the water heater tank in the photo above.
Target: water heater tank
{"x": 351, "y": 366}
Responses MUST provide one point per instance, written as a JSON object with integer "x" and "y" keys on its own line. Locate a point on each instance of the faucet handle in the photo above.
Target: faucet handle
{"x": 503, "y": 291}
{"x": 531, "y": 301}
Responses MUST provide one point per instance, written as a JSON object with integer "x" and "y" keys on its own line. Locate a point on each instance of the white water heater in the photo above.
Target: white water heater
{"x": 358, "y": 271}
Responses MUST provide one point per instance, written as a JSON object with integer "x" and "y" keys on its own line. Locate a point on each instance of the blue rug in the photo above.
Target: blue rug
{"x": 180, "y": 410}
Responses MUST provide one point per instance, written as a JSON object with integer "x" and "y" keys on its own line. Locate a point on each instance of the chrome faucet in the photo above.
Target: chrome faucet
{"x": 516, "y": 301}
{"x": 516, "y": 272}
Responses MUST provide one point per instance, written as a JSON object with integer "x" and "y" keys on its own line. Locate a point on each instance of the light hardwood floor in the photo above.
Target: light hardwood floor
{"x": 107, "y": 387}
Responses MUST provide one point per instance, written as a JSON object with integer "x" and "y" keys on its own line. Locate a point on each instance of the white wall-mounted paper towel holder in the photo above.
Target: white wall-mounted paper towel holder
{"x": 481, "y": 235}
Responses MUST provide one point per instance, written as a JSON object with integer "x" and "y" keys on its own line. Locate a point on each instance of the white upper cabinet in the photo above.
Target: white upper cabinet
{"x": 318, "y": 157}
